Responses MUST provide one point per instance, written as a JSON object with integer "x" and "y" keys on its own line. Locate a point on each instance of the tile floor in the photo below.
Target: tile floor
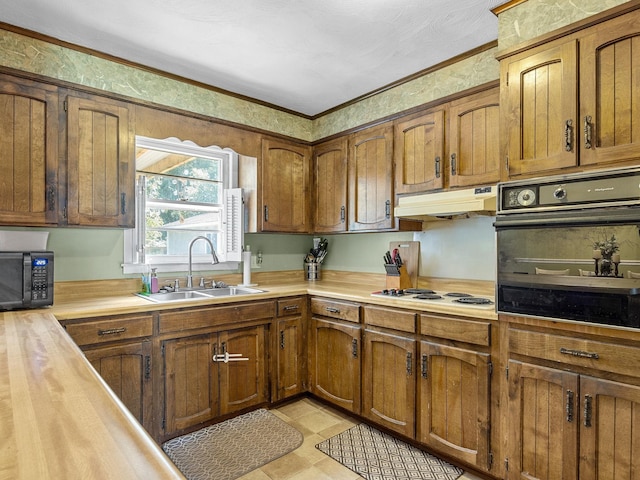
{"x": 317, "y": 422}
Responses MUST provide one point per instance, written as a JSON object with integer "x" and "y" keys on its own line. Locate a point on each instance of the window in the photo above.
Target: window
{"x": 184, "y": 191}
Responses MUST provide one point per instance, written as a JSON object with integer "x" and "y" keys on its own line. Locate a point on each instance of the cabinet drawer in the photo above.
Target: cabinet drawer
{"x": 390, "y": 318}
{"x": 290, "y": 306}
{"x": 335, "y": 309}
{"x": 110, "y": 329}
{"x": 187, "y": 319}
{"x": 606, "y": 356}
{"x": 469, "y": 331}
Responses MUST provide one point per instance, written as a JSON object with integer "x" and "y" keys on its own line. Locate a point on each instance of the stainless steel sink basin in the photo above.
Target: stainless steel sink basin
{"x": 183, "y": 295}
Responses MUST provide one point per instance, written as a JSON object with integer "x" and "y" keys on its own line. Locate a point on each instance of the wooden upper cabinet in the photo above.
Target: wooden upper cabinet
{"x": 285, "y": 187}
{"x": 100, "y": 163}
{"x": 539, "y": 108}
{"x": 330, "y": 185}
{"x": 419, "y": 152}
{"x": 371, "y": 179}
{"x": 28, "y": 152}
{"x": 474, "y": 146}
{"x": 610, "y": 91}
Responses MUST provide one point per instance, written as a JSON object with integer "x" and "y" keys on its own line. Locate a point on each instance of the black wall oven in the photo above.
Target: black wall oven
{"x": 569, "y": 247}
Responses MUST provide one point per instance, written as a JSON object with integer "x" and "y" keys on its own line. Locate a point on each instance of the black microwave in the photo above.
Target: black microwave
{"x": 26, "y": 280}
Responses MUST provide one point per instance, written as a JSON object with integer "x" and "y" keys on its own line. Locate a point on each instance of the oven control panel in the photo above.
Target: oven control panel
{"x": 613, "y": 187}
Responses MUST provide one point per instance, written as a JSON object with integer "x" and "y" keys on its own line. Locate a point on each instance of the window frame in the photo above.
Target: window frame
{"x": 135, "y": 260}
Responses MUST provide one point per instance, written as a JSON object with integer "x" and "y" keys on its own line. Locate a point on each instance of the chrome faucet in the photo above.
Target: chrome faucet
{"x": 213, "y": 255}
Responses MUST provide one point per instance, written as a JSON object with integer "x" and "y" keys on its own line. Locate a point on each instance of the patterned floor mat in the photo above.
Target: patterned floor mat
{"x": 232, "y": 448}
{"x": 378, "y": 456}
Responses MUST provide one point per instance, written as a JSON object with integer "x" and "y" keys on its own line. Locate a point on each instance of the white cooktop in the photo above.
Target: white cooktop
{"x": 429, "y": 297}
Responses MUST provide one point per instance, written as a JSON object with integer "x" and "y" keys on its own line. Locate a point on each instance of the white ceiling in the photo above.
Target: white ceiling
{"x": 304, "y": 55}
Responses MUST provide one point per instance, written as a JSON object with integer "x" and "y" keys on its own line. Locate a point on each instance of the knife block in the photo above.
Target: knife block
{"x": 399, "y": 282}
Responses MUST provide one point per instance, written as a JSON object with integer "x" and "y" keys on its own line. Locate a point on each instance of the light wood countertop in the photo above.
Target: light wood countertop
{"x": 58, "y": 419}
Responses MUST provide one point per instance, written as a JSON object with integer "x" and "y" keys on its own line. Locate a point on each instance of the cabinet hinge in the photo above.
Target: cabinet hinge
{"x": 490, "y": 365}
{"x": 506, "y": 464}
{"x": 162, "y": 350}
{"x": 490, "y": 461}
{"x": 65, "y": 105}
{"x": 507, "y": 372}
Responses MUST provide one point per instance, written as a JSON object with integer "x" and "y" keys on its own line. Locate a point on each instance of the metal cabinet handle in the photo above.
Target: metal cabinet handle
{"x": 588, "y": 399}
{"x": 568, "y": 135}
{"x": 112, "y": 331}
{"x": 453, "y": 164}
{"x": 437, "y": 167}
{"x": 147, "y": 367}
{"x": 266, "y": 213}
{"x": 123, "y": 203}
{"x": 343, "y": 214}
{"x": 333, "y": 310}
{"x": 424, "y": 366}
{"x": 409, "y": 364}
{"x": 51, "y": 198}
{"x": 354, "y": 348}
{"x": 281, "y": 339}
{"x": 289, "y": 308}
{"x": 579, "y": 353}
{"x": 569, "y": 406}
{"x": 387, "y": 209}
{"x": 587, "y": 131}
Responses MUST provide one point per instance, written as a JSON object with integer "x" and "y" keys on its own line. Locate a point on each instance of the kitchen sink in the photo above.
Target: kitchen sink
{"x": 183, "y": 295}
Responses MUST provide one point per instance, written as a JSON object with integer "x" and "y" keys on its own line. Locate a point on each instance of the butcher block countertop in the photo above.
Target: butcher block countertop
{"x": 59, "y": 420}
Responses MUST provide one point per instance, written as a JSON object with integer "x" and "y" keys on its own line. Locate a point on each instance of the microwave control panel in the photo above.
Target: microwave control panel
{"x": 40, "y": 278}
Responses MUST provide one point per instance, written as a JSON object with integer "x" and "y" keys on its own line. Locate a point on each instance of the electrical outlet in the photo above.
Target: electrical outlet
{"x": 254, "y": 262}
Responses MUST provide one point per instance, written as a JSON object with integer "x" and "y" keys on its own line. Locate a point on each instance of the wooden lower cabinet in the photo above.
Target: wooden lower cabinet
{"x": 127, "y": 370}
{"x": 454, "y": 402}
{"x": 389, "y": 381}
{"x": 119, "y": 348}
{"x": 334, "y": 362}
{"x": 289, "y": 352}
{"x": 199, "y": 388}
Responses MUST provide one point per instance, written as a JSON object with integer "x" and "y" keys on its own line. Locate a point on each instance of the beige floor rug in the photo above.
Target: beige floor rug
{"x": 378, "y": 456}
{"x": 232, "y": 448}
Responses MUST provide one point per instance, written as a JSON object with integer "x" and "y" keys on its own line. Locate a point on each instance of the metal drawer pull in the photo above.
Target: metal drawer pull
{"x": 579, "y": 353}
{"x": 112, "y": 331}
{"x": 570, "y": 406}
{"x": 227, "y": 357}
{"x": 288, "y": 308}
{"x": 354, "y": 347}
{"x": 333, "y": 310}
{"x": 409, "y": 364}
{"x": 281, "y": 339}
{"x": 424, "y": 366}
{"x": 147, "y": 367}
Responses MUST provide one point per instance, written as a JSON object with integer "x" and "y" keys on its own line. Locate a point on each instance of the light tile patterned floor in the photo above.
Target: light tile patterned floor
{"x": 317, "y": 422}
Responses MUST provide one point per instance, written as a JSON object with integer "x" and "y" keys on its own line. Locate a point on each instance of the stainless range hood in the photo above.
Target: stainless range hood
{"x": 430, "y": 206}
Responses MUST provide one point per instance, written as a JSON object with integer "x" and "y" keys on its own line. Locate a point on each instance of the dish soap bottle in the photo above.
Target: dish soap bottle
{"x": 154, "y": 281}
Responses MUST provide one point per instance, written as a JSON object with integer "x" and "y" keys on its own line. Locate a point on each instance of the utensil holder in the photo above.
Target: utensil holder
{"x": 312, "y": 271}
{"x": 401, "y": 281}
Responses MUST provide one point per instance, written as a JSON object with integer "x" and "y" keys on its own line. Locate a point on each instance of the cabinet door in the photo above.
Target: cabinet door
{"x": 289, "y": 357}
{"x": 243, "y": 383}
{"x": 100, "y": 163}
{"x": 127, "y": 370}
{"x": 474, "y": 146}
{"x": 543, "y": 423}
{"x": 334, "y": 362}
{"x": 609, "y": 430}
{"x": 285, "y": 187}
{"x": 610, "y": 91}
{"x": 540, "y": 109}
{"x": 330, "y": 185}
{"x": 454, "y": 402}
{"x": 389, "y": 381}
{"x": 191, "y": 388}
{"x": 419, "y": 153}
{"x": 371, "y": 179}
{"x": 28, "y": 152}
